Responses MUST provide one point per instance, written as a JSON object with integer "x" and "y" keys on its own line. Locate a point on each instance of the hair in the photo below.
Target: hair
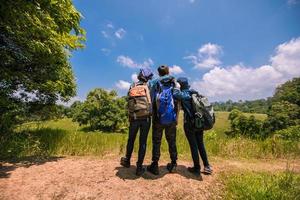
{"x": 163, "y": 70}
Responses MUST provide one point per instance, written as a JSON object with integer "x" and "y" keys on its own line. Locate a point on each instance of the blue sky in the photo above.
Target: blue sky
{"x": 233, "y": 49}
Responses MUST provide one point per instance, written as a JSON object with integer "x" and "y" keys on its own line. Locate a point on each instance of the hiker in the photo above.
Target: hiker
{"x": 164, "y": 117}
{"x": 193, "y": 134}
{"x": 140, "y": 109}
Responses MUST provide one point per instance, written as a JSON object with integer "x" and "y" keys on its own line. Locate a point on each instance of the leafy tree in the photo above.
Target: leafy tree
{"x": 103, "y": 110}
{"x": 36, "y": 37}
{"x": 289, "y": 91}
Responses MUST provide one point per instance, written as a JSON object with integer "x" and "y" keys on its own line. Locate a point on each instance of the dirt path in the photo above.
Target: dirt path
{"x": 94, "y": 178}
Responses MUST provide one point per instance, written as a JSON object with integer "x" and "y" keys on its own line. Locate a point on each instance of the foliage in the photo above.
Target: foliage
{"x": 103, "y": 110}
{"x": 254, "y": 106}
{"x": 262, "y": 186}
{"x": 289, "y": 91}
{"x": 245, "y": 126}
{"x": 285, "y": 109}
{"x": 36, "y": 38}
{"x": 291, "y": 133}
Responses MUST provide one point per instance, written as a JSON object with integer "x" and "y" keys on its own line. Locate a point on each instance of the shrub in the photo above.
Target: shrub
{"x": 103, "y": 110}
{"x": 291, "y": 133}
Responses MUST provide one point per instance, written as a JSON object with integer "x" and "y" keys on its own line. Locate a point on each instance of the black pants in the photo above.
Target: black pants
{"x": 143, "y": 125}
{"x": 170, "y": 132}
{"x": 195, "y": 139}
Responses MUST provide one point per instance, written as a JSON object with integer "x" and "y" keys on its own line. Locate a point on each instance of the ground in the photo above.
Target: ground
{"x": 95, "y": 178}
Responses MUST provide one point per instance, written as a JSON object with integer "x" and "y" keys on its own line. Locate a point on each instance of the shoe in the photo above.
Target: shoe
{"x": 140, "y": 170}
{"x": 207, "y": 170}
{"x": 194, "y": 170}
{"x": 153, "y": 168}
{"x": 125, "y": 162}
{"x": 171, "y": 166}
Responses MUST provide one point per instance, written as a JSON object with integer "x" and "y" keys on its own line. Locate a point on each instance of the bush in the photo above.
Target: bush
{"x": 242, "y": 125}
{"x": 291, "y": 133}
{"x": 103, "y": 110}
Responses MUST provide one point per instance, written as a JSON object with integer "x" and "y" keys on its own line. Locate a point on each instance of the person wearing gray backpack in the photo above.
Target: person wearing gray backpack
{"x": 140, "y": 111}
{"x": 198, "y": 116}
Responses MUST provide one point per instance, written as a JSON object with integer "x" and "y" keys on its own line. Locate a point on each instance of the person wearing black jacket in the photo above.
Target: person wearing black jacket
{"x": 194, "y": 136}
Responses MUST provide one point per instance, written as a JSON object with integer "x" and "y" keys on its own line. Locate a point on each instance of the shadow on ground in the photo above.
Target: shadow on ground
{"x": 9, "y": 165}
{"x": 129, "y": 173}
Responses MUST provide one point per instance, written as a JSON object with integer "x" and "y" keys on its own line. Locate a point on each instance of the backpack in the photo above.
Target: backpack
{"x": 165, "y": 104}
{"x": 139, "y": 101}
{"x": 203, "y": 112}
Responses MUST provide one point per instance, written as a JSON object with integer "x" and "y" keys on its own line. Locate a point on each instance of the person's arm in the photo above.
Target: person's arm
{"x": 180, "y": 95}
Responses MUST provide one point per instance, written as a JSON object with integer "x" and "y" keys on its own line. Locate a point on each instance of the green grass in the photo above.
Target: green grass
{"x": 262, "y": 186}
{"x": 64, "y": 137}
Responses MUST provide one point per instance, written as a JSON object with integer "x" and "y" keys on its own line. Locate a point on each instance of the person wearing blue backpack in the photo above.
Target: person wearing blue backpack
{"x": 194, "y": 135}
{"x": 164, "y": 118}
{"x": 140, "y": 110}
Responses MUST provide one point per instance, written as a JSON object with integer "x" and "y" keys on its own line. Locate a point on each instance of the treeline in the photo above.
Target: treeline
{"x": 254, "y": 106}
{"x": 283, "y": 116}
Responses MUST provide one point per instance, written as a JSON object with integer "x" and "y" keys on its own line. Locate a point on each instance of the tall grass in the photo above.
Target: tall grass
{"x": 263, "y": 186}
{"x": 64, "y": 137}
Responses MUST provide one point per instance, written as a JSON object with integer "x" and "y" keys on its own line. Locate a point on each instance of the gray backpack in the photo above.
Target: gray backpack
{"x": 203, "y": 112}
{"x": 139, "y": 101}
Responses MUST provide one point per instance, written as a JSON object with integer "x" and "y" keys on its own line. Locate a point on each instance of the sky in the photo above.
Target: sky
{"x": 229, "y": 49}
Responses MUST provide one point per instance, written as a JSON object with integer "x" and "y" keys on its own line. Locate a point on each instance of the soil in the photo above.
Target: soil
{"x": 104, "y": 178}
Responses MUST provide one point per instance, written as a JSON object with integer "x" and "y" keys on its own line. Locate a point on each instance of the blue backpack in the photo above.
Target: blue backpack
{"x": 165, "y": 103}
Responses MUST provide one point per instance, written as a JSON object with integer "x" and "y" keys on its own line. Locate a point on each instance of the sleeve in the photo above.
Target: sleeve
{"x": 180, "y": 95}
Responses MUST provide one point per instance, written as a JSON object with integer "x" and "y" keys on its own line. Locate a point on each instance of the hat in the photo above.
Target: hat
{"x": 184, "y": 83}
{"x": 145, "y": 74}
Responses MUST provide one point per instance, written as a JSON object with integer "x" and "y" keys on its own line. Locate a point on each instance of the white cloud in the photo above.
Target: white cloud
{"x": 110, "y": 25}
{"x": 292, "y": 2}
{"x": 128, "y": 62}
{"x": 120, "y": 33}
{"x": 287, "y": 58}
{"x": 207, "y": 56}
{"x": 175, "y": 69}
{"x": 134, "y": 77}
{"x": 240, "y": 82}
{"x": 105, "y": 34}
{"x": 106, "y": 51}
{"x": 123, "y": 85}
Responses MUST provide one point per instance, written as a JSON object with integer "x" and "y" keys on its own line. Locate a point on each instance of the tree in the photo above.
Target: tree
{"x": 103, "y": 110}
{"x": 36, "y": 37}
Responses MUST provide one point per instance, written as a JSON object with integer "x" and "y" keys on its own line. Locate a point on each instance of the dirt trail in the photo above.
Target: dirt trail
{"x": 94, "y": 178}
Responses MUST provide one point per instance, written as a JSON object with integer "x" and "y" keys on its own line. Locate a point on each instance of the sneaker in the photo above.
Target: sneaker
{"x": 125, "y": 162}
{"x": 171, "y": 166}
{"x": 139, "y": 170}
{"x": 207, "y": 170}
{"x": 153, "y": 168}
{"x": 194, "y": 170}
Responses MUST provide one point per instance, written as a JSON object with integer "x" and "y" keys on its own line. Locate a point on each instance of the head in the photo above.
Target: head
{"x": 163, "y": 70}
{"x": 145, "y": 74}
{"x": 183, "y": 82}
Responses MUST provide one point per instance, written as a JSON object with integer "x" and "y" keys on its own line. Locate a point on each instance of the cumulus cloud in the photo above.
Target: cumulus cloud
{"x": 175, "y": 69}
{"x": 134, "y": 77}
{"x": 110, "y": 25}
{"x": 292, "y": 2}
{"x": 105, "y": 34}
{"x": 207, "y": 56}
{"x": 128, "y": 62}
{"x": 106, "y": 51}
{"x": 123, "y": 85}
{"x": 241, "y": 82}
{"x": 120, "y": 33}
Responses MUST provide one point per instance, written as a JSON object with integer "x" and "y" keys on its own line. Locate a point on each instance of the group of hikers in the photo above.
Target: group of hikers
{"x": 159, "y": 101}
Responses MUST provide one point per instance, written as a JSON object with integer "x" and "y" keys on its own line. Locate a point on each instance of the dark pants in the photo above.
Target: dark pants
{"x": 170, "y": 132}
{"x": 143, "y": 125}
{"x": 195, "y": 139}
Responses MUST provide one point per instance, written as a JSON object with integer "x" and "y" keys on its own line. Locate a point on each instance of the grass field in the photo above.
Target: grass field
{"x": 64, "y": 137}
